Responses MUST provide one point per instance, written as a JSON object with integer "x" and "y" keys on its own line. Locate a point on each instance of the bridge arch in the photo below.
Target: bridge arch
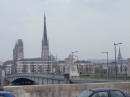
{"x": 23, "y": 81}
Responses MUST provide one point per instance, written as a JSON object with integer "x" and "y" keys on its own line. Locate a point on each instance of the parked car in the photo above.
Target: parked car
{"x": 6, "y": 94}
{"x": 104, "y": 92}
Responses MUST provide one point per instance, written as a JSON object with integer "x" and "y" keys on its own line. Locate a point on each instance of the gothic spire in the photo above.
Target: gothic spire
{"x": 45, "y": 40}
{"x": 119, "y": 55}
{"x": 45, "y": 43}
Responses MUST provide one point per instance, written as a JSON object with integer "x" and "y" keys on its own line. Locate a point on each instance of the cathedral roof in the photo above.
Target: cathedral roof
{"x": 33, "y": 59}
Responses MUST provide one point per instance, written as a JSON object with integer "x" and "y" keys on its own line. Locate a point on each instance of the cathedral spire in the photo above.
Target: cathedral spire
{"x": 45, "y": 40}
{"x": 119, "y": 56}
{"x": 45, "y": 43}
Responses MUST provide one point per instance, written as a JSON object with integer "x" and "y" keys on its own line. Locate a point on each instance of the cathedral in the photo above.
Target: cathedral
{"x": 42, "y": 64}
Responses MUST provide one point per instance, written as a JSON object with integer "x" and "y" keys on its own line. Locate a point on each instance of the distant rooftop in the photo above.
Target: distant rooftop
{"x": 34, "y": 59}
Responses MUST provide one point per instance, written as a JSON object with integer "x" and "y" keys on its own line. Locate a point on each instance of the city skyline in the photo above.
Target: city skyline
{"x": 80, "y": 25}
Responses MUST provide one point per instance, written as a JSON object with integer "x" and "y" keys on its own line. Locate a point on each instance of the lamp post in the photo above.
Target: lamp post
{"x": 73, "y": 54}
{"x": 107, "y": 64}
{"x": 115, "y": 44}
{"x": 73, "y": 60}
{"x": 77, "y": 62}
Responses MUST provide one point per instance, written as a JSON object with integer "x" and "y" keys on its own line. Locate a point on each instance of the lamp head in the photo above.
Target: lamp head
{"x": 118, "y": 43}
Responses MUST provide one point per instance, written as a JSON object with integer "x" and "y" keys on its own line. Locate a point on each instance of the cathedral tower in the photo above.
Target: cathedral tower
{"x": 119, "y": 57}
{"x": 45, "y": 43}
{"x": 20, "y": 49}
{"x": 18, "y": 52}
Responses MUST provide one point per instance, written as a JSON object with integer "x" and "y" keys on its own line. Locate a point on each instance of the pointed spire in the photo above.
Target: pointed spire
{"x": 45, "y": 40}
{"x": 119, "y": 56}
{"x": 45, "y": 43}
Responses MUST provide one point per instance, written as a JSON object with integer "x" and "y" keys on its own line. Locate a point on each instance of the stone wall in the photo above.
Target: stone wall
{"x": 68, "y": 90}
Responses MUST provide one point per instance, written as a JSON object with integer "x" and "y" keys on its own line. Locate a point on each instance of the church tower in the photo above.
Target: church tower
{"x": 119, "y": 58}
{"x": 18, "y": 52}
{"x": 45, "y": 43}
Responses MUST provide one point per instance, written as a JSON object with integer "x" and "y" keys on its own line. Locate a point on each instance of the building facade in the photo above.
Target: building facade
{"x": 83, "y": 67}
{"x": 86, "y": 67}
{"x": 128, "y": 69}
{"x": 8, "y": 66}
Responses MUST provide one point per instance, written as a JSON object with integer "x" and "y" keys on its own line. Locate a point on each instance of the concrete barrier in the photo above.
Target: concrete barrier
{"x": 65, "y": 90}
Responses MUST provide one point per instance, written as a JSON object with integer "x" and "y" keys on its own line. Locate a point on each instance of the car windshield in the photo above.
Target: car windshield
{"x": 85, "y": 94}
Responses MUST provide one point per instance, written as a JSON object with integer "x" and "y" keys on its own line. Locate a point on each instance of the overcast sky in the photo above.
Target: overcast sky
{"x": 87, "y": 26}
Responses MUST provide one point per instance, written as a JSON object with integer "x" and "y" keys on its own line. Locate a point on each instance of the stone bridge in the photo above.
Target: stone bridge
{"x": 39, "y": 79}
{"x": 30, "y": 79}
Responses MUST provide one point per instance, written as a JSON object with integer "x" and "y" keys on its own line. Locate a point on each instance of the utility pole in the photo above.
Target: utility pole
{"x": 107, "y": 64}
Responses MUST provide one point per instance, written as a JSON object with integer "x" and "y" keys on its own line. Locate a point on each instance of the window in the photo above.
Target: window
{"x": 116, "y": 94}
{"x": 85, "y": 94}
{"x": 100, "y": 94}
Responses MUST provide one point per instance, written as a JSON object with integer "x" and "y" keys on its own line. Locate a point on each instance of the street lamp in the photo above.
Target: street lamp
{"x": 73, "y": 61}
{"x": 77, "y": 62}
{"x": 73, "y": 53}
{"x": 107, "y": 64}
{"x": 116, "y": 44}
